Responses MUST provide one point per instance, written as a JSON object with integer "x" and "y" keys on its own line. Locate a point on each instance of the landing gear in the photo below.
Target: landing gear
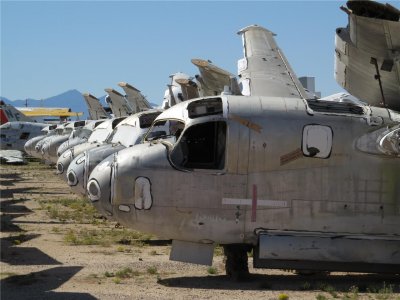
{"x": 236, "y": 261}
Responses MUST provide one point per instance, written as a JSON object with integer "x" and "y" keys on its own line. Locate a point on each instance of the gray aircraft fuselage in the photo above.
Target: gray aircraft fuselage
{"x": 275, "y": 164}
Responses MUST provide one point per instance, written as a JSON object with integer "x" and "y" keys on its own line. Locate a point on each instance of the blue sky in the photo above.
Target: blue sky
{"x": 52, "y": 46}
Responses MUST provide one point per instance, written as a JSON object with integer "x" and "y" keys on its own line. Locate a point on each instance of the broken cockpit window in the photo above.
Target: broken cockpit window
{"x": 202, "y": 146}
{"x": 205, "y": 107}
{"x": 168, "y": 130}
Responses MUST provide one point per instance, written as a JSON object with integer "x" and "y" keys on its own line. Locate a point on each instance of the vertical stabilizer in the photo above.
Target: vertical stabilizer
{"x": 264, "y": 70}
{"x": 96, "y": 110}
{"x": 135, "y": 98}
{"x": 9, "y": 113}
{"x": 118, "y": 103}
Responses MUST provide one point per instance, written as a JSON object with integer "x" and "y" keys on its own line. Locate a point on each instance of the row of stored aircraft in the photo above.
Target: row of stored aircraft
{"x": 255, "y": 162}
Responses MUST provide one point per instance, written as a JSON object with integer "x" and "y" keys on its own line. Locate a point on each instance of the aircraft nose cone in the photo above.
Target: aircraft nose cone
{"x": 72, "y": 178}
{"x": 60, "y": 168}
{"x": 94, "y": 190}
{"x": 76, "y": 174}
{"x": 99, "y": 188}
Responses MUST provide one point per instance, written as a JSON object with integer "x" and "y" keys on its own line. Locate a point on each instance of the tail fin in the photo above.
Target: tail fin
{"x": 135, "y": 98}
{"x": 96, "y": 110}
{"x": 118, "y": 103}
{"x": 264, "y": 70}
{"x": 9, "y": 113}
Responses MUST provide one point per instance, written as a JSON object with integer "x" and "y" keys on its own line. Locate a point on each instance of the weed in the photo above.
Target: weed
{"x": 126, "y": 273}
{"x": 152, "y": 270}
{"x": 283, "y": 297}
{"x": 352, "y": 295}
{"x": 212, "y": 270}
{"x": 219, "y": 251}
{"x": 153, "y": 252}
{"x": 306, "y": 286}
{"x": 108, "y": 274}
{"x": 321, "y": 297}
{"x": 386, "y": 292}
{"x": 329, "y": 289}
{"x": 116, "y": 280}
{"x": 121, "y": 249}
{"x": 55, "y": 230}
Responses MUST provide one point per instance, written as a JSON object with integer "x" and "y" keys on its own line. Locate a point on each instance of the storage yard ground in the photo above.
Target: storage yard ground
{"x": 55, "y": 246}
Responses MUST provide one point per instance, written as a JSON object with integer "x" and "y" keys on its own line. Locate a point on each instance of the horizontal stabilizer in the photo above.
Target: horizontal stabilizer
{"x": 367, "y": 60}
{"x": 214, "y": 80}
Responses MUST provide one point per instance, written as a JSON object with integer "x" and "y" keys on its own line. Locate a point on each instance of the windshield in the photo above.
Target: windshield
{"x": 168, "y": 130}
{"x": 82, "y": 132}
{"x": 67, "y": 130}
{"x": 125, "y": 134}
{"x": 99, "y": 135}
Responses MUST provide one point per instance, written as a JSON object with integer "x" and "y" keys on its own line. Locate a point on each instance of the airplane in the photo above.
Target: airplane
{"x": 78, "y": 136}
{"x": 73, "y": 129}
{"x": 98, "y": 137}
{"x": 301, "y": 182}
{"x": 15, "y": 134}
{"x": 57, "y": 131}
{"x": 126, "y": 134}
{"x": 30, "y": 145}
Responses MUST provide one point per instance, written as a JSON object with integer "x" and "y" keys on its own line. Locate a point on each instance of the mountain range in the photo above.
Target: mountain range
{"x": 72, "y": 99}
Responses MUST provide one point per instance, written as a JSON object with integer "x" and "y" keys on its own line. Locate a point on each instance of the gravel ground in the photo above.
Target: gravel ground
{"x": 38, "y": 263}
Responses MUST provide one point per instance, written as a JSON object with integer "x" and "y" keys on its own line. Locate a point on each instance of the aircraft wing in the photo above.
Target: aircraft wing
{"x": 96, "y": 110}
{"x": 49, "y": 111}
{"x": 118, "y": 103}
{"x": 12, "y": 157}
{"x": 135, "y": 98}
{"x": 367, "y": 60}
{"x": 264, "y": 70}
{"x": 213, "y": 79}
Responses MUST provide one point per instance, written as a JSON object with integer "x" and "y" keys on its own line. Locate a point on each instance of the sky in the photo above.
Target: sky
{"x": 49, "y": 47}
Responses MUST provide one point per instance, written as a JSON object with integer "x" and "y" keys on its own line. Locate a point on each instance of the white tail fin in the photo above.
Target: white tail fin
{"x": 96, "y": 110}
{"x": 135, "y": 99}
{"x": 264, "y": 69}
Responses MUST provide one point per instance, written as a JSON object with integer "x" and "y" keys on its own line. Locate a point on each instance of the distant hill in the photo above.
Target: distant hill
{"x": 72, "y": 99}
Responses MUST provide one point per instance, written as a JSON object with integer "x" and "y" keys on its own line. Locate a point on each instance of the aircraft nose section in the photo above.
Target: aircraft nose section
{"x": 76, "y": 174}
{"x": 99, "y": 187}
{"x": 63, "y": 163}
{"x": 63, "y": 147}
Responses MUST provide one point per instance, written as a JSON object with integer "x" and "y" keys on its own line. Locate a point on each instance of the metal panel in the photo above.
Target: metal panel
{"x": 366, "y": 249}
{"x": 195, "y": 253}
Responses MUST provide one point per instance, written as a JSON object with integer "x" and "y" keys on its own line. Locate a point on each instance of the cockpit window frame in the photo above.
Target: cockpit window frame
{"x": 172, "y": 148}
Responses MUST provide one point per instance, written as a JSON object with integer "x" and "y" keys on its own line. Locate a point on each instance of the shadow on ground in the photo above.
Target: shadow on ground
{"x": 40, "y": 285}
{"x": 339, "y": 283}
{"x": 12, "y": 254}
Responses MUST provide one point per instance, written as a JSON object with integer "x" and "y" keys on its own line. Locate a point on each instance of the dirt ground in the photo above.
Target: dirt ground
{"x": 53, "y": 246}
